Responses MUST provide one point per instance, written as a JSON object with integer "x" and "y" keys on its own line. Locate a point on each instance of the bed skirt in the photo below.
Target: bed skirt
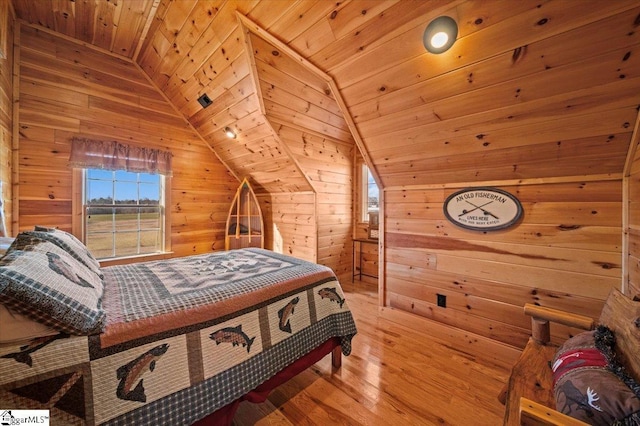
{"x": 224, "y": 416}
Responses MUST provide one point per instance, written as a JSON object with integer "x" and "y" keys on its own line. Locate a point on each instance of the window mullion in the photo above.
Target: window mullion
{"x": 118, "y": 227}
{"x": 113, "y": 214}
{"x": 138, "y": 216}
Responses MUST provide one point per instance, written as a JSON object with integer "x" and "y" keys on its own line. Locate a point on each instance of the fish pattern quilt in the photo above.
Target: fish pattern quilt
{"x": 184, "y": 337}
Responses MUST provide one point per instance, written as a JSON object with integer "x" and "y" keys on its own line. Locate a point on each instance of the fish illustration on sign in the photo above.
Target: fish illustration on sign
{"x": 57, "y": 265}
{"x": 285, "y": 314}
{"x": 332, "y": 295}
{"x": 129, "y": 374}
{"x": 24, "y": 355}
{"x": 233, "y": 335}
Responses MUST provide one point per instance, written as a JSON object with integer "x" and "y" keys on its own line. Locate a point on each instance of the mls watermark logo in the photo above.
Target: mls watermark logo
{"x": 24, "y": 417}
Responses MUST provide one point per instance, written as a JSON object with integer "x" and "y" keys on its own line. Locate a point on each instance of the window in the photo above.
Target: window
{"x": 370, "y": 194}
{"x": 123, "y": 213}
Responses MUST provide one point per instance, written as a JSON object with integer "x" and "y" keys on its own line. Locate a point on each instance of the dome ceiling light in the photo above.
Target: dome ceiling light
{"x": 229, "y": 132}
{"x": 440, "y": 34}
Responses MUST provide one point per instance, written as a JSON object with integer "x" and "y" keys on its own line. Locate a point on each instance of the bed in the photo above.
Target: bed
{"x": 178, "y": 341}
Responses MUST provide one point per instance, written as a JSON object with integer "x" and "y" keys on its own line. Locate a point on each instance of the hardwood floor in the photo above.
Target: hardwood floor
{"x": 397, "y": 374}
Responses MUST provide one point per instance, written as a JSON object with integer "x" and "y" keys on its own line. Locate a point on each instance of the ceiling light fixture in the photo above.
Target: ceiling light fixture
{"x": 229, "y": 132}
{"x": 440, "y": 34}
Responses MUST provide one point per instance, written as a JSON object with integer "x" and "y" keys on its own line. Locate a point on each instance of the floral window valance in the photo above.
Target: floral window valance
{"x": 112, "y": 155}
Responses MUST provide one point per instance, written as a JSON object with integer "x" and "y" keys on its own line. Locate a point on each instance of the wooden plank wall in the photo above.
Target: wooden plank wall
{"x": 6, "y": 108}
{"x": 290, "y": 223}
{"x": 369, "y": 260}
{"x": 328, "y": 164}
{"x": 197, "y": 48}
{"x": 370, "y": 256}
{"x": 306, "y": 118}
{"x": 67, "y": 89}
{"x": 633, "y": 218}
{"x": 564, "y": 253}
{"x": 116, "y": 26}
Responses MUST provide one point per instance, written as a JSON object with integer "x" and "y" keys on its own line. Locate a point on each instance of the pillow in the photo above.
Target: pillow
{"x": 591, "y": 385}
{"x": 67, "y": 242}
{"x": 46, "y": 284}
{"x": 5, "y": 243}
{"x": 15, "y": 327}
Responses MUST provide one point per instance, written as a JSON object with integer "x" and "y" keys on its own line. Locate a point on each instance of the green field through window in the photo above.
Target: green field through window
{"x": 130, "y": 225}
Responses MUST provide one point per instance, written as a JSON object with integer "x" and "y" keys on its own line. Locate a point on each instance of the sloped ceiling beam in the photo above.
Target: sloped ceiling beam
{"x": 256, "y": 83}
{"x": 145, "y": 30}
{"x": 251, "y": 26}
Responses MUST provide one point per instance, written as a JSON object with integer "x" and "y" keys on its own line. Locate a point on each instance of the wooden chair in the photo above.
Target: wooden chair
{"x": 529, "y": 391}
{"x": 528, "y": 395}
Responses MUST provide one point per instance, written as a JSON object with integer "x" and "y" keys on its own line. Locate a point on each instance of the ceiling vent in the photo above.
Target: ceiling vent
{"x": 204, "y": 100}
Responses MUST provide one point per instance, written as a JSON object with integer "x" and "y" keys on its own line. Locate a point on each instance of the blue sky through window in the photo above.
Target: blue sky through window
{"x": 101, "y": 185}
{"x": 373, "y": 188}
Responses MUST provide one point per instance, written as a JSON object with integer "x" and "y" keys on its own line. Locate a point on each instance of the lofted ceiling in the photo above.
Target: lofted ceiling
{"x": 117, "y": 26}
{"x": 535, "y": 89}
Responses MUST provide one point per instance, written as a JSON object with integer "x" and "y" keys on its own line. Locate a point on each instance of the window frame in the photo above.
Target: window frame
{"x": 79, "y": 223}
{"x": 364, "y": 193}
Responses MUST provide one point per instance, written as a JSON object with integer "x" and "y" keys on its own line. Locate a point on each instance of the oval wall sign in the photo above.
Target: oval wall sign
{"x": 482, "y": 209}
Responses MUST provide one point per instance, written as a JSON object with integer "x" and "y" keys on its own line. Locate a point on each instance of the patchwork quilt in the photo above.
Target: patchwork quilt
{"x": 184, "y": 337}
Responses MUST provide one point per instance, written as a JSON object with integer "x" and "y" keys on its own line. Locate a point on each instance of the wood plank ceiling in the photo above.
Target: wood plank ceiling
{"x": 117, "y": 26}
{"x": 539, "y": 89}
